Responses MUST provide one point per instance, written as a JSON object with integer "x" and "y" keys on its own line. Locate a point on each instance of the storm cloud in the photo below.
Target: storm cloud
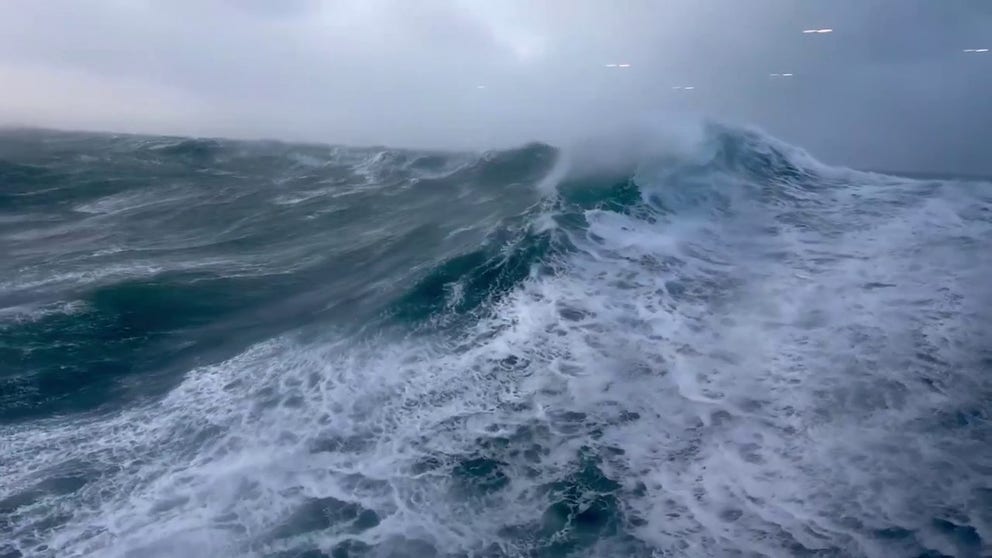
{"x": 890, "y": 88}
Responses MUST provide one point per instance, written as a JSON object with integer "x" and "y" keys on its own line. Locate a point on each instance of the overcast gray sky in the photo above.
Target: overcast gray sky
{"x": 890, "y": 88}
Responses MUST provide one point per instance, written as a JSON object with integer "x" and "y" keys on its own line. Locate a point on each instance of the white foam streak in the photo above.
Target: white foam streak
{"x": 754, "y": 368}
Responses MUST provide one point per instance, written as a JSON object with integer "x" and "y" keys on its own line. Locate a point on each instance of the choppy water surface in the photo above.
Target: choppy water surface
{"x": 214, "y": 348}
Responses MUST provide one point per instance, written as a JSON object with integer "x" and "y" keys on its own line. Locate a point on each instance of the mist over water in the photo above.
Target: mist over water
{"x": 891, "y": 87}
{"x": 674, "y": 341}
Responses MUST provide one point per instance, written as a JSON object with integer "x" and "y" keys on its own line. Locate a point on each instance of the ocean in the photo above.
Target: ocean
{"x": 214, "y": 348}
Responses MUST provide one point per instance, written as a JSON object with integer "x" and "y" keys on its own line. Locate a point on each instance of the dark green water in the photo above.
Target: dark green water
{"x": 219, "y": 348}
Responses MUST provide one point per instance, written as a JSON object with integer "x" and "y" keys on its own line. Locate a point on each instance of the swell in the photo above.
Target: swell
{"x": 735, "y": 351}
{"x": 168, "y": 268}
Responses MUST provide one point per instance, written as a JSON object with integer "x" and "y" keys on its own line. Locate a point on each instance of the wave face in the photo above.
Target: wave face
{"x": 214, "y": 348}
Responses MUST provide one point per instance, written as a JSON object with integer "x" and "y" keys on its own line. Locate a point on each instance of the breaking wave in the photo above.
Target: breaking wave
{"x": 214, "y": 348}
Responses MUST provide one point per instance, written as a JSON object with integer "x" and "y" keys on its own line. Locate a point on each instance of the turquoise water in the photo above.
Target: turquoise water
{"x": 221, "y": 348}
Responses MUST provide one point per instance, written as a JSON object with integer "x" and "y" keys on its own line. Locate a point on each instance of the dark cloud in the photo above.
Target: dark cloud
{"x": 890, "y": 88}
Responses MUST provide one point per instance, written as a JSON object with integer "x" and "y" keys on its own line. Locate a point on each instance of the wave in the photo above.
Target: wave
{"x": 725, "y": 350}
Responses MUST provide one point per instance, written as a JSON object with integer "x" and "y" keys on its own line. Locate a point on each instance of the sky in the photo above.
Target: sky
{"x": 890, "y": 88}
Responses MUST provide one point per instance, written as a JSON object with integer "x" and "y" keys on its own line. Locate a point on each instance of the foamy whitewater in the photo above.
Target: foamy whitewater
{"x": 214, "y": 348}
